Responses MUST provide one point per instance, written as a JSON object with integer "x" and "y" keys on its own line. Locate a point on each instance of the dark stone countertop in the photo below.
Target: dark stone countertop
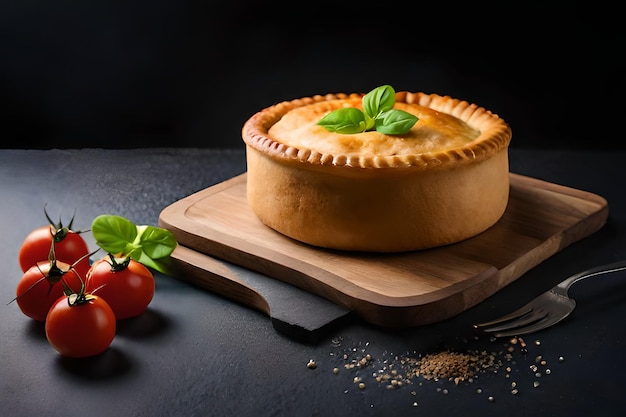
{"x": 195, "y": 353}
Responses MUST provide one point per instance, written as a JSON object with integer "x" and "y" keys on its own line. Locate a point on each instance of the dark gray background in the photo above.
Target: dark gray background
{"x": 189, "y": 73}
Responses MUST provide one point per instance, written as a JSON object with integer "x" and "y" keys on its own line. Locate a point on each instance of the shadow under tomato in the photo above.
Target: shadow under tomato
{"x": 37, "y": 329}
{"x": 112, "y": 363}
{"x": 147, "y": 324}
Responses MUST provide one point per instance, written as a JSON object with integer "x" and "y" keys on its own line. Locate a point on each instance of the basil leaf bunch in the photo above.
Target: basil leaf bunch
{"x": 378, "y": 114}
{"x": 148, "y": 245}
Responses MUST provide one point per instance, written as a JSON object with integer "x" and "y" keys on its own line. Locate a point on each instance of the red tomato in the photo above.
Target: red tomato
{"x": 80, "y": 326}
{"x": 42, "y": 285}
{"x": 69, "y": 247}
{"x": 128, "y": 286}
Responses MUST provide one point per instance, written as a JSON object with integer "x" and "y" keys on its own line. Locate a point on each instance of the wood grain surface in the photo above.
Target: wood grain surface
{"x": 395, "y": 290}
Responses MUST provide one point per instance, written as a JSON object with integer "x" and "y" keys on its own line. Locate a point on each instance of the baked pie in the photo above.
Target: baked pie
{"x": 442, "y": 180}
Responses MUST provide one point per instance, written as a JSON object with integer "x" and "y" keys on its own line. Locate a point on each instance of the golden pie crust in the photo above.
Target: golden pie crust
{"x": 444, "y": 181}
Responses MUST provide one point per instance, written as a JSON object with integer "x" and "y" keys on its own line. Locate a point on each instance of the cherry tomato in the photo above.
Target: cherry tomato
{"x": 69, "y": 247}
{"x": 127, "y": 285}
{"x": 42, "y": 285}
{"x": 78, "y": 326}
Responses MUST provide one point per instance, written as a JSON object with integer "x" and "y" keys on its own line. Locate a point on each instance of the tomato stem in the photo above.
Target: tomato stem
{"x": 118, "y": 264}
{"x": 60, "y": 231}
{"x": 75, "y": 299}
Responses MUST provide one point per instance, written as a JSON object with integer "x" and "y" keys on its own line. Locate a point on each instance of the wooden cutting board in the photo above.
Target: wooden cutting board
{"x": 393, "y": 290}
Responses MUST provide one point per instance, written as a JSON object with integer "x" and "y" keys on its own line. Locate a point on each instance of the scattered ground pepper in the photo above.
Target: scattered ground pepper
{"x": 455, "y": 366}
{"x": 461, "y": 367}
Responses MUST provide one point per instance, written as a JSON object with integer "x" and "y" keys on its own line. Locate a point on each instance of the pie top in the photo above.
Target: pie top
{"x": 447, "y": 131}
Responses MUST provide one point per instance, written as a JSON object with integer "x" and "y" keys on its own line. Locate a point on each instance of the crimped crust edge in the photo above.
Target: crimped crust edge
{"x": 495, "y": 135}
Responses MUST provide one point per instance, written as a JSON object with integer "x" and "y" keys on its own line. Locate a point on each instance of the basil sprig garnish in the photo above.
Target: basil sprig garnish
{"x": 378, "y": 114}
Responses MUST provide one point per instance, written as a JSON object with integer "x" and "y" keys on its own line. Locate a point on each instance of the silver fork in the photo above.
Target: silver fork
{"x": 546, "y": 309}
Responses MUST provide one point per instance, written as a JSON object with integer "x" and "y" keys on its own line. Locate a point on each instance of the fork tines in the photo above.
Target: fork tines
{"x": 526, "y": 319}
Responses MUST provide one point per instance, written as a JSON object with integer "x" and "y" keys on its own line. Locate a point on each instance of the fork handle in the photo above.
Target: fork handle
{"x": 591, "y": 272}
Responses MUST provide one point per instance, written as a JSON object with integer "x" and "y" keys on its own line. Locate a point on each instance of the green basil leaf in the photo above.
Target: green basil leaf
{"x": 395, "y": 122}
{"x": 378, "y": 101}
{"x": 378, "y": 114}
{"x": 148, "y": 245}
{"x": 347, "y": 120}
{"x": 113, "y": 233}
{"x": 156, "y": 242}
{"x": 370, "y": 123}
{"x": 163, "y": 265}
